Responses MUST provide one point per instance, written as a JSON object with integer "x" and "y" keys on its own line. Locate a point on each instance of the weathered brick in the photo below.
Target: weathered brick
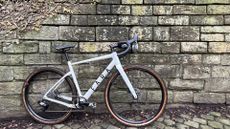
{"x": 218, "y": 9}
{"x": 211, "y": 59}
{"x": 102, "y": 20}
{"x": 22, "y": 47}
{"x": 144, "y": 33}
{"x": 169, "y": 1}
{"x": 103, "y": 9}
{"x": 121, "y": 9}
{"x": 129, "y": 20}
{"x": 132, "y": 1}
{"x": 112, "y": 33}
{"x": 45, "y": 33}
{"x": 170, "y": 71}
{"x": 209, "y": 98}
{"x": 185, "y": 33}
{"x": 153, "y": 47}
{"x": 59, "y": 19}
{"x": 148, "y": 20}
{"x": 207, "y": 20}
{"x": 84, "y": 9}
{"x": 217, "y": 85}
{"x": 221, "y": 71}
{"x": 111, "y": 1}
{"x": 170, "y": 47}
{"x": 212, "y": 37}
{"x": 194, "y": 47}
{"x": 183, "y": 97}
{"x": 44, "y": 47}
{"x": 219, "y": 47}
{"x": 6, "y": 73}
{"x": 189, "y": 9}
{"x": 215, "y": 29}
{"x": 94, "y": 46}
{"x": 212, "y": 1}
{"x": 79, "y": 20}
{"x": 225, "y": 59}
{"x": 161, "y": 33}
{"x": 186, "y": 84}
{"x": 42, "y": 59}
{"x": 162, "y": 10}
{"x": 10, "y": 88}
{"x": 60, "y": 43}
{"x": 141, "y": 10}
{"x": 173, "y": 20}
{"x": 9, "y": 59}
{"x": 196, "y": 72}
{"x": 77, "y": 33}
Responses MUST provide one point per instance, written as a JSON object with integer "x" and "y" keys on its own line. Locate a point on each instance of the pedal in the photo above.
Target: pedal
{"x": 93, "y": 105}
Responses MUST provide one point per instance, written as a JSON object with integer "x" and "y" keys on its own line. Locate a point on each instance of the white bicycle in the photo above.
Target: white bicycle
{"x": 134, "y": 95}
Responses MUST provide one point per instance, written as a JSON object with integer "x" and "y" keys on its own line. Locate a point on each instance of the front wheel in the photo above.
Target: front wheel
{"x": 151, "y": 92}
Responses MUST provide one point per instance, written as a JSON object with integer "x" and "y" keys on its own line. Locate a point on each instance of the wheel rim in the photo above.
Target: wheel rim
{"x": 147, "y": 117}
{"x": 32, "y": 95}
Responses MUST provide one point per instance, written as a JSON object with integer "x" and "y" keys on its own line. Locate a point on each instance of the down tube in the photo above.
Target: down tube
{"x": 99, "y": 80}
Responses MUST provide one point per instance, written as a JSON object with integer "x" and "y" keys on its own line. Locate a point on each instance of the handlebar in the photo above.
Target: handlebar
{"x": 125, "y": 45}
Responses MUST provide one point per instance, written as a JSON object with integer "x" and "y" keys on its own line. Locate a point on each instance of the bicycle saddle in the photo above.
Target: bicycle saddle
{"x": 64, "y": 47}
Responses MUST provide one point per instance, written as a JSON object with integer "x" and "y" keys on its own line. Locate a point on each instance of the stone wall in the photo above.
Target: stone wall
{"x": 186, "y": 41}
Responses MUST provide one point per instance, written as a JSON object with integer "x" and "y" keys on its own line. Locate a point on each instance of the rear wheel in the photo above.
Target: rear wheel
{"x": 36, "y": 85}
{"x": 151, "y": 92}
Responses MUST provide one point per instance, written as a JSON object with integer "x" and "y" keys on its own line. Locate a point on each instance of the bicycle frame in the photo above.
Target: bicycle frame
{"x": 114, "y": 63}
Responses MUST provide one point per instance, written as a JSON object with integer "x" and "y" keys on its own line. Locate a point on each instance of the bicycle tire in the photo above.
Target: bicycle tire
{"x": 121, "y": 113}
{"x": 26, "y": 91}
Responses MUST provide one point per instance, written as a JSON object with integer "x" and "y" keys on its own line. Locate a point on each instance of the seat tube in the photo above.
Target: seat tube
{"x": 74, "y": 78}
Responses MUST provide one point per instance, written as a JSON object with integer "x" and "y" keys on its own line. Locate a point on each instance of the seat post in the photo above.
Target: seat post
{"x": 66, "y": 55}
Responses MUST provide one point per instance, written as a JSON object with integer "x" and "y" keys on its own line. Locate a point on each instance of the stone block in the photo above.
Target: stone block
{"x": 169, "y": 71}
{"x": 111, "y": 1}
{"x": 219, "y": 47}
{"x": 141, "y": 10}
{"x": 212, "y": 1}
{"x": 42, "y": 59}
{"x": 44, "y": 47}
{"x": 217, "y": 85}
{"x": 228, "y": 98}
{"x": 189, "y": 9}
{"x": 148, "y": 20}
{"x": 161, "y": 33}
{"x": 77, "y": 33}
{"x": 194, "y": 47}
{"x": 58, "y": 19}
{"x": 152, "y": 47}
{"x": 132, "y": 1}
{"x": 129, "y": 20}
{"x": 211, "y": 59}
{"x": 227, "y": 37}
{"x": 169, "y": 1}
{"x": 183, "y": 97}
{"x": 102, "y": 20}
{"x": 45, "y": 33}
{"x": 179, "y": 84}
{"x": 84, "y": 9}
{"x": 6, "y": 73}
{"x": 207, "y": 20}
{"x": 79, "y": 20}
{"x": 209, "y": 98}
{"x": 103, "y": 9}
{"x": 94, "y": 46}
{"x": 112, "y": 33}
{"x": 22, "y": 47}
{"x": 196, "y": 72}
{"x": 162, "y": 10}
{"x": 170, "y": 47}
{"x": 10, "y": 103}
{"x": 185, "y": 59}
{"x": 215, "y": 29}
{"x": 173, "y": 20}
{"x": 225, "y": 59}
{"x": 9, "y": 59}
{"x": 221, "y": 71}
{"x": 121, "y": 9}
{"x": 185, "y": 34}
{"x": 10, "y": 88}
{"x": 218, "y": 9}
{"x": 144, "y": 33}
{"x": 212, "y": 37}
{"x": 156, "y": 96}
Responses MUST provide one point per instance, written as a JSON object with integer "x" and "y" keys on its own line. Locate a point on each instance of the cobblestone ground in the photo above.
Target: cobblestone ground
{"x": 200, "y": 117}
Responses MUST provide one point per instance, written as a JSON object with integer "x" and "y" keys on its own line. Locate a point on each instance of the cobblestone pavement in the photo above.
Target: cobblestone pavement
{"x": 200, "y": 117}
